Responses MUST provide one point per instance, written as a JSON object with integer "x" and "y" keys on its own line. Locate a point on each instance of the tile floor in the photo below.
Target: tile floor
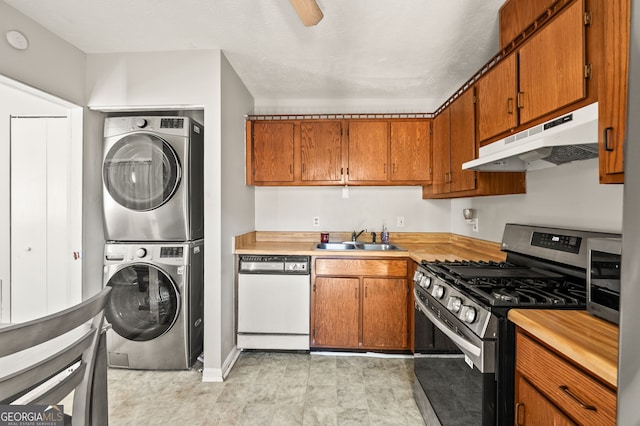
{"x": 270, "y": 388}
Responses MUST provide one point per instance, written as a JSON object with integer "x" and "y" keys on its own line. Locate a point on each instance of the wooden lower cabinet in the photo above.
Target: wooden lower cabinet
{"x": 384, "y": 313}
{"x": 533, "y": 409}
{"x": 551, "y": 390}
{"x": 360, "y": 304}
{"x": 336, "y": 307}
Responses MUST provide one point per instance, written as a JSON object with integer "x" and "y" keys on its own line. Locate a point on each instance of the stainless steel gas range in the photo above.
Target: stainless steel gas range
{"x": 545, "y": 268}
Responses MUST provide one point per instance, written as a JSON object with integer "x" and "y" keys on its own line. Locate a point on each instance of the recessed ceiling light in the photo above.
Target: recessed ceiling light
{"x": 17, "y": 40}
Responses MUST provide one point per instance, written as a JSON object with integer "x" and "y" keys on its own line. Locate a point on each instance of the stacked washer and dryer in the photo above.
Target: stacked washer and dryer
{"x": 152, "y": 173}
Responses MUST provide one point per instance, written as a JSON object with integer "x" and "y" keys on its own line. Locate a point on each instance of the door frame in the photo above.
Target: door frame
{"x": 75, "y": 115}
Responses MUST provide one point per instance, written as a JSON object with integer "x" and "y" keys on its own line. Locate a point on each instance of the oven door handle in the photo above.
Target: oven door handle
{"x": 459, "y": 341}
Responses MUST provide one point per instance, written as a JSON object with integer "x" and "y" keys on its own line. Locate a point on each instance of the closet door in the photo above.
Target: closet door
{"x": 40, "y": 249}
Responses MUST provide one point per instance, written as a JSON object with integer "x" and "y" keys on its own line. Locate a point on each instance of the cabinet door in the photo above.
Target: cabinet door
{"x": 273, "y": 152}
{"x": 441, "y": 161}
{"x": 552, "y": 65}
{"x": 612, "y": 88}
{"x": 532, "y": 408}
{"x": 410, "y": 151}
{"x": 463, "y": 142}
{"x": 336, "y": 307}
{"x": 320, "y": 151}
{"x": 517, "y": 15}
{"x": 495, "y": 93}
{"x": 384, "y": 313}
{"x": 368, "y": 151}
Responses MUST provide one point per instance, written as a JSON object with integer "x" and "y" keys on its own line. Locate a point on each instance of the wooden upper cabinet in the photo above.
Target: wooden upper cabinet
{"x": 552, "y": 65}
{"x": 411, "y": 151}
{"x": 273, "y": 152}
{"x": 463, "y": 141}
{"x": 321, "y": 151}
{"x": 613, "y": 86}
{"x": 368, "y": 158}
{"x": 496, "y": 93}
{"x": 441, "y": 152}
{"x": 517, "y": 15}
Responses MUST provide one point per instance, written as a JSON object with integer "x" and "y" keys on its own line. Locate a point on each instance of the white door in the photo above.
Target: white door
{"x": 43, "y": 262}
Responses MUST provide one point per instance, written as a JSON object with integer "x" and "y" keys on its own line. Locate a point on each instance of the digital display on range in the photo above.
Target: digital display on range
{"x": 568, "y": 243}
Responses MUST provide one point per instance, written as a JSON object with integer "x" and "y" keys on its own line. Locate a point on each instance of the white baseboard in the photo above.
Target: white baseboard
{"x": 219, "y": 374}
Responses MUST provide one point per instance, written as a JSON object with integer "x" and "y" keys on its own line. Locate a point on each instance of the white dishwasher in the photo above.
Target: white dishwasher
{"x": 273, "y": 302}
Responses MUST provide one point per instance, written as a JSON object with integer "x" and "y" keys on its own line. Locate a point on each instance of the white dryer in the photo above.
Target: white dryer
{"x": 156, "y": 305}
{"x": 152, "y": 172}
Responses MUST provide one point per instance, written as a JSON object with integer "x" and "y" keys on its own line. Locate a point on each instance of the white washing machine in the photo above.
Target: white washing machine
{"x": 152, "y": 173}
{"x": 156, "y": 306}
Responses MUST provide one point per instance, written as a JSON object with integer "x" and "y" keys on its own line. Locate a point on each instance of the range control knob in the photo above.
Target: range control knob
{"x": 438, "y": 292}
{"x": 455, "y": 303}
{"x": 425, "y": 281}
{"x": 417, "y": 276}
{"x": 141, "y": 252}
{"x": 469, "y": 314}
{"x": 141, "y": 123}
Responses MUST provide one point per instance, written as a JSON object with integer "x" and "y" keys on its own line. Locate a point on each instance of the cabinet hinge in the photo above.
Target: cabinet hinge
{"x": 314, "y": 286}
{"x": 587, "y": 18}
{"x": 587, "y": 71}
{"x": 340, "y": 131}
{"x": 475, "y": 99}
{"x": 313, "y": 333}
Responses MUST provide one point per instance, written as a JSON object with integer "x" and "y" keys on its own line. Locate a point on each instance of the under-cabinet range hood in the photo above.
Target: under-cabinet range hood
{"x": 567, "y": 138}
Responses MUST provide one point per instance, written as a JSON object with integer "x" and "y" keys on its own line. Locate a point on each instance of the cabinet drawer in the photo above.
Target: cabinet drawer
{"x": 564, "y": 384}
{"x": 362, "y": 267}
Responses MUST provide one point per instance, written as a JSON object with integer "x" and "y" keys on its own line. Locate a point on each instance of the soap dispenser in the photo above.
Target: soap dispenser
{"x": 384, "y": 235}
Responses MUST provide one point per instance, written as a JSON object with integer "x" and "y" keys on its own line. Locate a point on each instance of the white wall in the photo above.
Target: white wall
{"x": 50, "y": 63}
{"x": 293, "y": 209}
{"x": 238, "y": 202}
{"x": 189, "y": 80}
{"x": 566, "y": 196}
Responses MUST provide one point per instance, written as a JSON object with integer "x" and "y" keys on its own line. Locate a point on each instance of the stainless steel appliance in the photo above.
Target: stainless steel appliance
{"x": 603, "y": 278}
{"x": 156, "y": 306}
{"x": 273, "y": 302}
{"x": 153, "y": 179}
{"x": 468, "y": 301}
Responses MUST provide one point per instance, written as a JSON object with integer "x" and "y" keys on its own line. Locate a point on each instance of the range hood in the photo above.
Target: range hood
{"x": 570, "y": 137}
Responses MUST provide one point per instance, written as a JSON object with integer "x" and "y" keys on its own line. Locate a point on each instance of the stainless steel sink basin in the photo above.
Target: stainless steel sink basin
{"x": 367, "y": 246}
{"x": 348, "y": 245}
{"x": 336, "y": 246}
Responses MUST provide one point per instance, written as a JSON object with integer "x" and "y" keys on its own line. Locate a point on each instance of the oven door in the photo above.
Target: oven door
{"x": 452, "y": 388}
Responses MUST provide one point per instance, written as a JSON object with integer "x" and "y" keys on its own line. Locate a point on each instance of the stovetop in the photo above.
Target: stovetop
{"x": 509, "y": 285}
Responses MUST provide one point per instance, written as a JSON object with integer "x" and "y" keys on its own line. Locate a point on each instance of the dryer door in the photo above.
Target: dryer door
{"x": 141, "y": 171}
{"x": 144, "y": 302}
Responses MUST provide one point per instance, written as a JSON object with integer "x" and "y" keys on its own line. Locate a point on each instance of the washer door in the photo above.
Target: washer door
{"x": 144, "y": 302}
{"x": 141, "y": 171}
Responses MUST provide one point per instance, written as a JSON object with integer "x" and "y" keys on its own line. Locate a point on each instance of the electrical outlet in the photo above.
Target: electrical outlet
{"x": 400, "y": 221}
{"x": 316, "y": 221}
{"x": 474, "y": 226}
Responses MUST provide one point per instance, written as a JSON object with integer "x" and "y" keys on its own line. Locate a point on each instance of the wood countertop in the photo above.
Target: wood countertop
{"x": 418, "y": 246}
{"x": 588, "y": 341}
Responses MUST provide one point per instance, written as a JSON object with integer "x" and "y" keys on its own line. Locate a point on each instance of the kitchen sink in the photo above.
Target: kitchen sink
{"x": 336, "y": 246}
{"x": 349, "y": 245}
{"x": 371, "y": 246}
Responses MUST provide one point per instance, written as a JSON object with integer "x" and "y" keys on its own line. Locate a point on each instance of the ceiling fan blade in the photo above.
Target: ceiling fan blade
{"x": 308, "y": 11}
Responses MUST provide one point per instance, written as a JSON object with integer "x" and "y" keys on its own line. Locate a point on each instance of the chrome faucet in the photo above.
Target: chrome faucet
{"x": 354, "y": 236}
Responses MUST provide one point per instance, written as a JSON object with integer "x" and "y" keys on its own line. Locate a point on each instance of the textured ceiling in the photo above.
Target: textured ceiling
{"x": 362, "y": 49}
